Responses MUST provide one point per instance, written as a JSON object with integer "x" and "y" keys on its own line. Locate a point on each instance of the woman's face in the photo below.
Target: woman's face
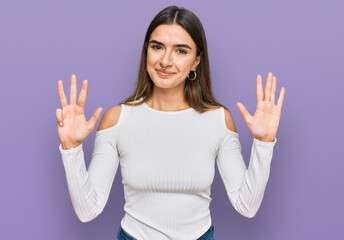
{"x": 170, "y": 46}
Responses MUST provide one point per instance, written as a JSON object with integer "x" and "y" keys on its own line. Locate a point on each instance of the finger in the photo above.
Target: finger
{"x": 73, "y": 91}
{"x": 83, "y": 92}
{"x": 59, "y": 117}
{"x": 267, "y": 93}
{"x": 274, "y": 82}
{"x": 93, "y": 120}
{"x": 62, "y": 94}
{"x": 259, "y": 90}
{"x": 280, "y": 98}
{"x": 245, "y": 114}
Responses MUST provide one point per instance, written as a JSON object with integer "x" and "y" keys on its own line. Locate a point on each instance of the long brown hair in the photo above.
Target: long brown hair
{"x": 198, "y": 93}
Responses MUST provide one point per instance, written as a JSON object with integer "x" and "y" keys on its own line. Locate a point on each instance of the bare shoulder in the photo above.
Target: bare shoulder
{"x": 110, "y": 117}
{"x": 229, "y": 120}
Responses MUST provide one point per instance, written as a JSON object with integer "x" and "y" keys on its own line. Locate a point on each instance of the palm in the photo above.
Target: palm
{"x": 75, "y": 126}
{"x": 264, "y": 122}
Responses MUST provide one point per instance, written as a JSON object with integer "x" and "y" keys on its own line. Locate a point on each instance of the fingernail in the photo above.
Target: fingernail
{"x": 61, "y": 124}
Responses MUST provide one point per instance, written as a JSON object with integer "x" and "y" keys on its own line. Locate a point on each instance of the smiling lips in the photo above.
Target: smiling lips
{"x": 164, "y": 73}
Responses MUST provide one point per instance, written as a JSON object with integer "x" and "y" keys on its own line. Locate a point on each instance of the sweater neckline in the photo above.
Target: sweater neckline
{"x": 167, "y": 112}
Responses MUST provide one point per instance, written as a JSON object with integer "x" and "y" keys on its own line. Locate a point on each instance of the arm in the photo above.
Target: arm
{"x": 89, "y": 190}
{"x": 245, "y": 186}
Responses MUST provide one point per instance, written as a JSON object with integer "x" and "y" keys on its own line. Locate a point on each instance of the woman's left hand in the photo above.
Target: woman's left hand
{"x": 264, "y": 122}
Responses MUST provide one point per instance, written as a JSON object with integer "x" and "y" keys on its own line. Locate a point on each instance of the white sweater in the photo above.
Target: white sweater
{"x": 167, "y": 164}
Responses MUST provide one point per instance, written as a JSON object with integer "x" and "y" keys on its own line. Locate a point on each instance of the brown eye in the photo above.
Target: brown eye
{"x": 156, "y": 47}
{"x": 182, "y": 51}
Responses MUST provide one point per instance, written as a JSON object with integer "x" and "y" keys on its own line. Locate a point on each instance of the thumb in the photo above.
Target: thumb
{"x": 245, "y": 114}
{"x": 93, "y": 120}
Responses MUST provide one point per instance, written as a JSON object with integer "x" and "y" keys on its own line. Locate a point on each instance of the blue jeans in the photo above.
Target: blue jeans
{"x": 122, "y": 235}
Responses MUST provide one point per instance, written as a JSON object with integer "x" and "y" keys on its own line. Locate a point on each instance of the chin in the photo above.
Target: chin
{"x": 162, "y": 83}
{"x": 166, "y": 83}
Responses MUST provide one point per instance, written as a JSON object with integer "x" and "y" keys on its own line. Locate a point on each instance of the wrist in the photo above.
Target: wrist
{"x": 69, "y": 145}
{"x": 266, "y": 139}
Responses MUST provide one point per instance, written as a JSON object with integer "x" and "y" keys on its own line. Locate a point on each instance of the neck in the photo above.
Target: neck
{"x": 167, "y": 100}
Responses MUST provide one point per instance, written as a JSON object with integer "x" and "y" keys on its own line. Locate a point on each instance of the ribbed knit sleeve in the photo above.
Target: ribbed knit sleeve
{"x": 89, "y": 189}
{"x": 245, "y": 186}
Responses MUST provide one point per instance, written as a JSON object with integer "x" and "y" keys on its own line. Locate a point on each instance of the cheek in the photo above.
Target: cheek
{"x": 184, "y": 64}
{"x": 150, "y": 65}
{"x": 151, "y": 59}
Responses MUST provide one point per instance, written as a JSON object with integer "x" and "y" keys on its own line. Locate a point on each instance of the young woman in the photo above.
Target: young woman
{"x": 166, "y": 137}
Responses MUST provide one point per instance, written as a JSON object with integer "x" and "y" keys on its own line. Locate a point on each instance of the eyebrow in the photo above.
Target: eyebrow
{"x": 176, "y": 45}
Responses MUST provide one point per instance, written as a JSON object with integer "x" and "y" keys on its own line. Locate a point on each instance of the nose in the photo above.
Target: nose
{"x": 166, "y": 59}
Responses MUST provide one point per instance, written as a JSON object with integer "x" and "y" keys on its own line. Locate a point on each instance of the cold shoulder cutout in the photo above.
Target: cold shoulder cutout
{"x": 110, "y": 118}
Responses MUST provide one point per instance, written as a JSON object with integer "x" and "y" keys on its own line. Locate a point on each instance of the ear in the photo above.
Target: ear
{"x": 146, "y": 45}
{"x": 197, "y": 61}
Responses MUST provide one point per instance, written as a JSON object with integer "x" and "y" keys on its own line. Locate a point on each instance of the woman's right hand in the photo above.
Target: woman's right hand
{"x": 74, "y": 128}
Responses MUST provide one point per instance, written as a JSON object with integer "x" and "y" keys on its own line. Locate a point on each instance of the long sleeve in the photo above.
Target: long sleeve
{"x": 89, "y": 190}
{"x": 245, "y": 186}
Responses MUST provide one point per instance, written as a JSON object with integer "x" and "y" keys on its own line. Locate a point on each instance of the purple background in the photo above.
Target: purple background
{"x": 301, "y": 42}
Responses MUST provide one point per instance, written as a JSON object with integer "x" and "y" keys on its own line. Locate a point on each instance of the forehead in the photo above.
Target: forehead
{"x": 172, "y": 34}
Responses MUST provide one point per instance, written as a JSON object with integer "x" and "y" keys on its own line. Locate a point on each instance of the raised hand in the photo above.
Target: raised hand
{"x": 264, "y": 122}
{"x": 72, "y": 126}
